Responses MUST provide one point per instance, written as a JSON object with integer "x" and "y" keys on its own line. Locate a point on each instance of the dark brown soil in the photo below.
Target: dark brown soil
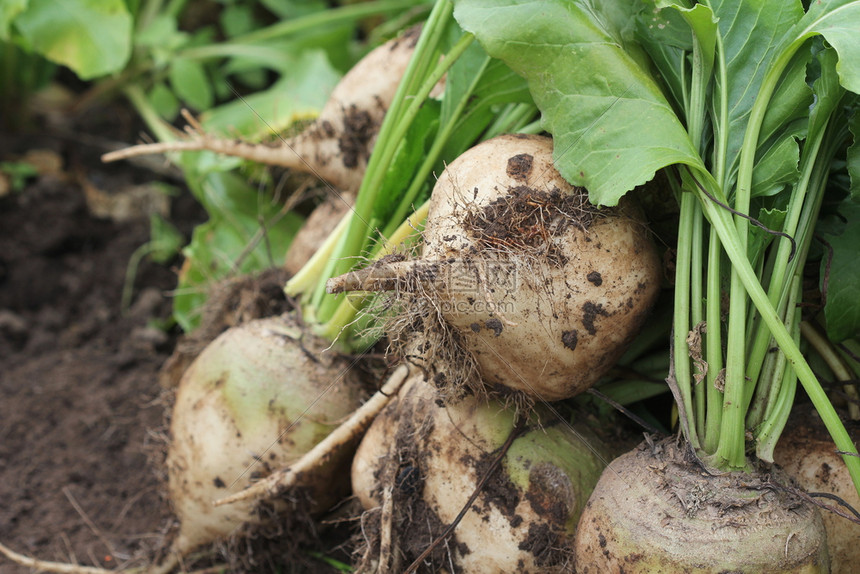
{"x": 83, "y": 399}
{"x": 527, "y": 219}
{"x": 80, "y": 413}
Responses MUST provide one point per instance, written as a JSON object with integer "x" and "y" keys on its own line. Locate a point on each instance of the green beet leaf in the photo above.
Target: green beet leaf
{"x": 298, "y": 95}
{"x": 245, "y": 233}
{"x": 588, "y": 113}
{"x": 92, "y": 37}
{"x": 841, "y": 272}
{"x": 189, "y": 81}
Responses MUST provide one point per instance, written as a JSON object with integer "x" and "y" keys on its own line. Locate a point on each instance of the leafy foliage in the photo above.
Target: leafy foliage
{"x": 92, "y": 37}
{"x": 841, "y": 273}
{"x": 594, "y": 147}
{"x": 749, "y": 106}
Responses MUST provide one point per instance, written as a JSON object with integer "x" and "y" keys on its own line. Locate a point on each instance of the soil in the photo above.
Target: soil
{"x": 85, "y": 381}
{"x": 81, "y": 416}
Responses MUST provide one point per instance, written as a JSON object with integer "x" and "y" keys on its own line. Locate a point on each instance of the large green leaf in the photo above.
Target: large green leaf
{"x": 668, "y": 31}
{"x": 92, "y": 37}
{"x": 612, "y": 125}
{"x": 839, "y": 22}
{"x": 750, "y": 34}
{"x": 841, "y": 311}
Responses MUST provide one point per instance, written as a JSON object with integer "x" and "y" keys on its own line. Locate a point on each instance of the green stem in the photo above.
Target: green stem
{"x": 736, "y": 252}
{"x": 349, "y": 307}
{"x": 308, "y": 276}
{"x": 441, "y": 139}
{"x": 713, "y": 344}
{"x": 513, "y": 120}
{"x": 730, "y": 449}
{"x": 720, "y": 121}
{"x": 696, "y": 311}
{"x": 681, "y": 320}
{"x": 714, "y": 310}
{"x": 777, "y": 418}
{"x": 778, "y": 361}
{"x": 737, "y": 390}
{"x": 391, "y": 133}
{"x": 800, "y": 223}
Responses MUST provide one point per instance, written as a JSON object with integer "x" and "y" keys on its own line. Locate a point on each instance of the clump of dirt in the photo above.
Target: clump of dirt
{"x": 527, "y": 219}
{"x": 354, "y": 142}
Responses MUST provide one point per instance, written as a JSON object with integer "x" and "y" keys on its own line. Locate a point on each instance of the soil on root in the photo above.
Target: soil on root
{"x": 526, "y": 219}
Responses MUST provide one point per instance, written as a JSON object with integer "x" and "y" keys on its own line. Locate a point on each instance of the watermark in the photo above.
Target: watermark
{"x": 481, "y": 276}
{"x": 455, "y": 285}
{"x": 476, "y": 306}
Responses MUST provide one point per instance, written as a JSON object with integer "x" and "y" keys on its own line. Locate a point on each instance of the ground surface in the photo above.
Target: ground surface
{"x": 80, "y": 406}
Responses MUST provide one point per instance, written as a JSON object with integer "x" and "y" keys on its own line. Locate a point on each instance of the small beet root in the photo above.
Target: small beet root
{"x": 240, "y": 414}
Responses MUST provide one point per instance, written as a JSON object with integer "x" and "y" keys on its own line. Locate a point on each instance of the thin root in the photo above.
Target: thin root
{"x": 199, "y": 140}
{"x": 48, "y": 566}
{"x": 502, "y": 451}
{"x": 387, "y": 542}
{"x": 281, "y": 480}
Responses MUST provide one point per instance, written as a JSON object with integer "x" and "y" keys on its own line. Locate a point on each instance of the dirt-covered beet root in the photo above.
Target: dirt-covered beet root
{"x": 556, "y": 287}
{"x": 542, "y": 289}
{"x": 337, "y": 145}
{"x": 256, "y": 399}
{"x": 655, "y": 510}
{"x": 423, "y": 458}
{"x": 807, "y": 453}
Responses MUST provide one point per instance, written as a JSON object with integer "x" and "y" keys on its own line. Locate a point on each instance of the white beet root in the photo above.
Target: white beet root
{"x": 656, "y": 510}
{"x": 543, "y": 290}
{"x": 423, "y": 458}
{"x": 337, "y": 145}
{"x": 256, "y": 399}
{"x": 806, "y": 452}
